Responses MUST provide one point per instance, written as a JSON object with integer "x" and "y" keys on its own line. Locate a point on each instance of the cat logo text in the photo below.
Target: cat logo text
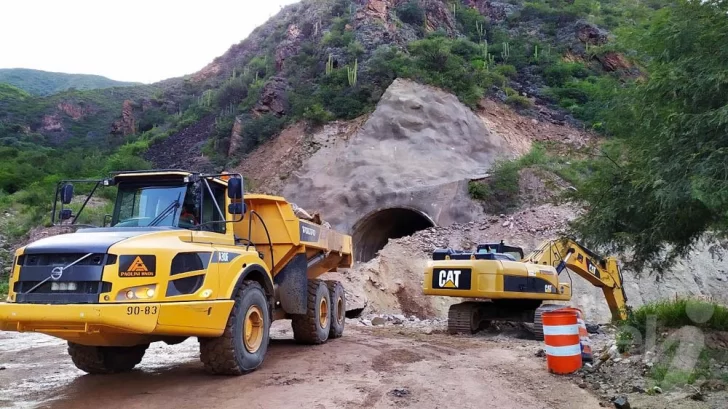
{"x": 455, "y": 279}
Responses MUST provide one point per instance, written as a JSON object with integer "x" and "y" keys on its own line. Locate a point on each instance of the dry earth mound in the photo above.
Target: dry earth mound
{"x": 418, "y": 138}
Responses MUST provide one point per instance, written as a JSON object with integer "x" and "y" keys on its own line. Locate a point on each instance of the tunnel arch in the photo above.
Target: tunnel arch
{"x": 372, "y": 232}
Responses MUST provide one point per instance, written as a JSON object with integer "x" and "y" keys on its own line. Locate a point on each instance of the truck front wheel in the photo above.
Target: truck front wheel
{"x": 243, "y": 345}
{"x": 105, "y": 360}
{"x": 314, "y": 326}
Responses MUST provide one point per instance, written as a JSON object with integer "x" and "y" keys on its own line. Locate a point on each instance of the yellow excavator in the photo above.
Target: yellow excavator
{"x": 500, "y": 283}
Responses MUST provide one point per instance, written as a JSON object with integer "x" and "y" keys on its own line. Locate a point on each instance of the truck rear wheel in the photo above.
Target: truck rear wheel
{"x": 338, "y": 308}
{"x": 105, "y": 360}
{"x": 314, "y": 326}
{"x": 243, "y": 345}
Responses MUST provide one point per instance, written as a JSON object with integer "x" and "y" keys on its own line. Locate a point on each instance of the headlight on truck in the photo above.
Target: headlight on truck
{"x": 141, "y": 292}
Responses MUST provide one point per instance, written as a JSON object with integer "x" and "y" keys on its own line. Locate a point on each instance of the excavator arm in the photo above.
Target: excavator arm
{"x": 600, "y": 272}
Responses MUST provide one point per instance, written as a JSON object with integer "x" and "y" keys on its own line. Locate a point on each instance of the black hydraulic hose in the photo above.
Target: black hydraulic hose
{"x": 270, "y": 242}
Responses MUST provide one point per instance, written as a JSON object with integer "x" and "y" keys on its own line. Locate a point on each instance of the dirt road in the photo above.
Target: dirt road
{"x": 367, "y": 368}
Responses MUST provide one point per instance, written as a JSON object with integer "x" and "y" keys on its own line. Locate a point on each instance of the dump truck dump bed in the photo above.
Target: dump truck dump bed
{"x": 279, "y": 234}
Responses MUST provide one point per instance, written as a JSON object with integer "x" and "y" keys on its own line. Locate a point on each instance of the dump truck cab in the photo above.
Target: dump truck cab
{"x": 183, "y": 254}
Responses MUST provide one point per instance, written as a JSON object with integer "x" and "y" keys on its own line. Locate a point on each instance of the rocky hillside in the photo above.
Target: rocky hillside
{"x": 315, "y": 62}
{"x": 319, "y": 60}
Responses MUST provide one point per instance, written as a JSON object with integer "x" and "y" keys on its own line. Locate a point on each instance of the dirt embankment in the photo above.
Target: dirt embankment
{"x": 392, "y": 282}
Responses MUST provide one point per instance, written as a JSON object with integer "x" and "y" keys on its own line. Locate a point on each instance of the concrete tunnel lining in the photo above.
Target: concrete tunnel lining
{"x": 372, "y": 232}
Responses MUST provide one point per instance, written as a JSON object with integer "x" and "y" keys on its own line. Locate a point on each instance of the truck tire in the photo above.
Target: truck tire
{"x": 338, "y": 308}
{"x": 313, "y": 327}
{"x": 243, "y": 345}
{"x": 105, "y": 360}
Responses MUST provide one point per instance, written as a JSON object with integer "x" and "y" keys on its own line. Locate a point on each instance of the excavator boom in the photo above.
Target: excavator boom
{"x": 600, "y": 272}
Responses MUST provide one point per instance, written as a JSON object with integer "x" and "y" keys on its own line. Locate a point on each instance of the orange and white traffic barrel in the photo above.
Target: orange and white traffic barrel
{"x": 586, "y": 350}
{"x": 561, "y": 336}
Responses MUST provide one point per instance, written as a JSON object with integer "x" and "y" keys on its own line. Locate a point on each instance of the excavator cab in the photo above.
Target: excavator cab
{"x": 500, "y": 248}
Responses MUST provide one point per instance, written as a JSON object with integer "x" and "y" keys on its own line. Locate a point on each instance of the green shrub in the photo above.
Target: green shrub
{"x": 411, "y": 12}
{"x": 561, "y": 72}
{"x": 259, "y": 130}
{"x": 678, "y": 313}
{"x": 317, "y": 114}
{"x": 478, "y": 191}
{"x": 499, "y": 193}
{"x": 506, "y": 70}
{"x": 519, "y": 101}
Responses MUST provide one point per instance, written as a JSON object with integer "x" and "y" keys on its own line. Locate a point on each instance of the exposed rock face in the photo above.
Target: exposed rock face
{"x": 236, "y": 136}
{"x": 211, "y": 70}
{"x": 437, "y": 16}
{"x": 289, "y": 47}
{"x": 127, "y": 124}
{"x": 184, "y": 149}
{"x": 75, "y": 111}
{"x": 373, "y": 9}
{"x": 419, "y": 138}
{"x": 703, "y": 274}
{"x": 52, "y": 123}
{"x": 495, "y": 10}
{"x": 273, "y": 99}
{"x": 590, "y": 34}
{"x": 613, "y": 61}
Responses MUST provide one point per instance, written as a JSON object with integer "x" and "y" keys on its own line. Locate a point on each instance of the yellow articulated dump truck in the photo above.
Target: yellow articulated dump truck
{"x": 183, "y": 255}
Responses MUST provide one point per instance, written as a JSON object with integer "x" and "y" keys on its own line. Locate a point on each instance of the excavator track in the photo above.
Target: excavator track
{"x": 463, "y": 318}
{"x": 538, "y": 319}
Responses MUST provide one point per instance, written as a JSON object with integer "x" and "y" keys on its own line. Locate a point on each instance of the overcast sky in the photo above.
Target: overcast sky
{"x": 129, "y": 40}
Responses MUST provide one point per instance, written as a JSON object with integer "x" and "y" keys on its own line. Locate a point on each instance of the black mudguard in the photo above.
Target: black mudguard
{"x": 293, "y": 285}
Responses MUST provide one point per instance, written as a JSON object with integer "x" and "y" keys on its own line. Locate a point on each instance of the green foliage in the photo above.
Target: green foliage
{"x": 411, "y": 12}
{"x": 676, "y": 313}
{"x": 665, "y": 317}
{"x": 11, "y": 93}
{"x": 259, "y": 130}
{"x": 557, "y": 11}
{"x": 4, "y": 286}
{"x": 519, "y": 101}
{"x": 317, "y": 114}
{"x": 44, "y": 83}
{"x": 663, "y": 185}
{"x": 499, "y": 193}
{"x": 472, "y": 23}
{"x": 561, "y": 72}
{"x": 506, "y": 70}
{"x": 338, "y": 36}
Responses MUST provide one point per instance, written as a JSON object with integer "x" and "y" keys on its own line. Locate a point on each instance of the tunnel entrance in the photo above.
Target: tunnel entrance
{"x": 372, "y": 232}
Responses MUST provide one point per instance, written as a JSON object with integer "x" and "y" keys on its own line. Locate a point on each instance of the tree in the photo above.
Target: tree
{"x": 663, "y": 181}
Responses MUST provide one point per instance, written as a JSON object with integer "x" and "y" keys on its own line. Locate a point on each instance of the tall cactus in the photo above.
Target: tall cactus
{"x": 480, "y": 28}
{"x": 506, "y": 53}
{"x": 330, "y": 65}
{"x": 353, "y": 73}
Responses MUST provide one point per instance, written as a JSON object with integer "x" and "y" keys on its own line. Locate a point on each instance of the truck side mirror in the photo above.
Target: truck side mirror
{"x": 67, "y": 194}
{"x": 65, "y": 214}
{"x": 235, "y": 188}
{"x": 236, "y": 208}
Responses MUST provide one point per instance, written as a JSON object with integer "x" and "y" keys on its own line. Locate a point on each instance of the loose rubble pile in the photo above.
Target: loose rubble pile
{"x": 391, "y": 283}
{"x": 627, "y": 379}
{"x": 426, "y": 326}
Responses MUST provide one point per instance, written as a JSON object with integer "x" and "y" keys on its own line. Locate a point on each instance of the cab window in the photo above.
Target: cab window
{"x": 210, "y": 212}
